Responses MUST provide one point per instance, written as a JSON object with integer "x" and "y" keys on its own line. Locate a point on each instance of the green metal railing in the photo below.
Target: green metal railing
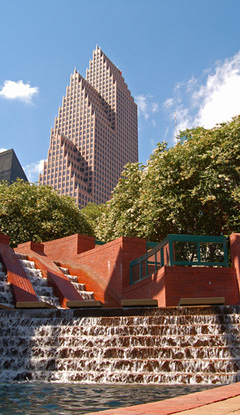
{"x": 148, "y": 244}
{"x": 99, "y": 242}
{"x": 191, "y": 250}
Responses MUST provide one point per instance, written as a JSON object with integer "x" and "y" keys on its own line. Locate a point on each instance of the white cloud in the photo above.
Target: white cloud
{"x": 141, "y": 102}
{"x": 146, "y": 105}
{"x": 210, "y": 100}
{"x": 219, "y": 97}
{"x": 2, "y": 149}
{"x": 32, "y": 170}
{"x": 155, "y": 107}
{"x": 168, "y": 103}
{"x": 18, "y": 90}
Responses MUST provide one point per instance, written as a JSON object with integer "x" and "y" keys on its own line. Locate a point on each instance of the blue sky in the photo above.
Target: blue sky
{"x": 180, "y": 59}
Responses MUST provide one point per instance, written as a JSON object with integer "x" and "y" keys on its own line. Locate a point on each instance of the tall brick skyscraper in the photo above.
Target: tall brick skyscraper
{"x": 94, "y": 136}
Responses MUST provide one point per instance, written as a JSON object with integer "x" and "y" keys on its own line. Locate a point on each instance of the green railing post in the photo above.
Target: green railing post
{"x": 198, "y": 252}
{"x": 225, "y": 252}
{"x": 171, "y": 253}
{"x": 162, "y": 257}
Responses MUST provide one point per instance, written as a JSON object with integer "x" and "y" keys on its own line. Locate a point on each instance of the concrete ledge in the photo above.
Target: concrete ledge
{"x": 84, "y": 304}
{"x": 33, "y": 304}
{"x": 5, "y": 307}
{"x": 139, "y": 303}
{"x": 202, "y": 301}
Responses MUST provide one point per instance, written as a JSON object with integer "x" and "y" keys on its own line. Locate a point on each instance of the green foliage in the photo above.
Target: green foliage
{"x": 191, "y": 188}
{"x": 38, "y": 213}
{"x": 121, "y": 215}
{"x": 92, "y": 212}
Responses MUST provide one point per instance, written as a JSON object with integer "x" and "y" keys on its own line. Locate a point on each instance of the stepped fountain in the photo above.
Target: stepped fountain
{"x": 194, "y": 346}
{"x": 165, "y": 345}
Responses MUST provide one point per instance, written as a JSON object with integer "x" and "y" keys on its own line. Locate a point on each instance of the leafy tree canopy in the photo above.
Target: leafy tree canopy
{"x": 191, "y": 188}
{"x": 121, "y": 216}
{"x": 92, "y": 212}
{"x": 38, "y": 213}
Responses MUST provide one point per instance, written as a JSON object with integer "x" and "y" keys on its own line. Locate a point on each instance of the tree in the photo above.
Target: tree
{"x": 92, "y": 212}
{"x": 191, "y": 188}
{"x": 121, "y": 216}
{"x": 38, "y": 213}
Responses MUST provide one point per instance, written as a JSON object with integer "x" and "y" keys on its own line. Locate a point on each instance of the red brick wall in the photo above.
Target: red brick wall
{"x": 21, "y": 287}
{"x": 170, "y": 284}
{"x": 150, "y": 287}
{"x": 235, "y": 254}
{"x": 68, "y": 247}
{"x": 195, "y": 282}
{"x": 106, "y": 269}
{"x": 29, "y": 246}
{"x": 4, "y": 239}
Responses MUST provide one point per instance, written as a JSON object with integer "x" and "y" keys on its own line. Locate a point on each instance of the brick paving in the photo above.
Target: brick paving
{"x": 224, "y": 400}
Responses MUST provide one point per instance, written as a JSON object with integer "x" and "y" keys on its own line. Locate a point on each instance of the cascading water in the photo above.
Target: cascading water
{"x": 152, "y": 346}
{"x": 5, "y": 291}
{"x": 86, "y": 295}
{"x": 43, "y": 292}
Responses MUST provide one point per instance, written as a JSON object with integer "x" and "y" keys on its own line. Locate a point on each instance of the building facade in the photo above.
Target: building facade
{"x": 10, "y": 168}
{"x": 94, "y": 136}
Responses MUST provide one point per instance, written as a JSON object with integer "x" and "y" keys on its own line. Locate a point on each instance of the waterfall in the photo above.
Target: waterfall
{"x": 43, "y": 292}
{"x": 5, "y": 291}
{"x": 151, "y": 346}
{"x": 86, "y": 295}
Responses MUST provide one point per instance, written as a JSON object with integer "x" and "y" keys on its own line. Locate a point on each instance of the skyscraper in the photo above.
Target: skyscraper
{"x": 94, "y": 135}
{"x": 10, "y": 168}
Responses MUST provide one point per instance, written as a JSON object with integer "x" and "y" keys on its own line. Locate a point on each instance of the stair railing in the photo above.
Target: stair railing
{"x": 188, "y": 250}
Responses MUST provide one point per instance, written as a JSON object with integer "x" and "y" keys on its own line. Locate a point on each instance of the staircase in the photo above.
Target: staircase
{"x": 43, "y": 292}
{"x": 86, "y": 295}
{"x": 167, "y": 346}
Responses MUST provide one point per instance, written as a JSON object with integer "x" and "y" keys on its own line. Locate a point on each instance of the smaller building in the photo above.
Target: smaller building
{"x": 10, "y": 168}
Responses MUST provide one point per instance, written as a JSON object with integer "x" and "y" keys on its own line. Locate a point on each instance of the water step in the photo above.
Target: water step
{"x": 43, "y": 291}
{"x": 180, "y": 349}
{"x": 113, "y": 353}
{"x": 86, "y": 295}
{"x": 6, "y": 299}
{"x": 120, "y": 378}
{"x": 5, "y": 306}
